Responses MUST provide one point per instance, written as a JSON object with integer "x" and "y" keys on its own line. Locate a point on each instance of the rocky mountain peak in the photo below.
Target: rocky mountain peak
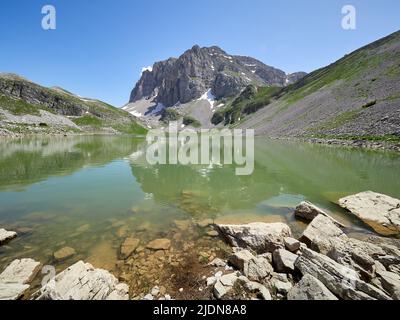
{"x": 200, "y": 69}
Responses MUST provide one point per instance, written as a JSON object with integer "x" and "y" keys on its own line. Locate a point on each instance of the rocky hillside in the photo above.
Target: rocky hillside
{"x": 357, "y": 97}
{"x": 26, "y": 107}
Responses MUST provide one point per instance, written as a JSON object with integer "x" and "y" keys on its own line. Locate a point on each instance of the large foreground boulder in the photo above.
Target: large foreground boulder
{"x": 6, "y": 236}
{"x": 15, "y": 279}
{"x": 260, "y": 237}
{"x": 380, "y": 212}
{"x": 340, "y": 280}
{"x": 310, "y": 288}
{"x": 323, "y": 235}
{"x": 82, "y": 281}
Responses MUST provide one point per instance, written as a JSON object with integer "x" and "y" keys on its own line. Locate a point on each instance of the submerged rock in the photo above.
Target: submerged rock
{"x": 159, "y": 244}
{"x": 379, "y": 211}
{"x": 260, "y": 237}
{"x": 64, "y": 253}
{"x": 82, "y": 281}
{"x": 6, "y": 236}
{"x": 310, "y": 288}
{"x": 128, "y": 247}
{"x": 15, "y": 279}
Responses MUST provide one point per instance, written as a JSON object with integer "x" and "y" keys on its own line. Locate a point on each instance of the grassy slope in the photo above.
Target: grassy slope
{"x": 249, "y": 101}
{"x": 100, "y": 114}
{"x": 357, "y": 74}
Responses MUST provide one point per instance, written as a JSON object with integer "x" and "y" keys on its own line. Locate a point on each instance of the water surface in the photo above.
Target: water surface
{"x": 90, "y": 192}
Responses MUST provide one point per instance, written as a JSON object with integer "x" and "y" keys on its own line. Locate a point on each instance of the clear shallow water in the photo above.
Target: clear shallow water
{"x": 91, "y": 192}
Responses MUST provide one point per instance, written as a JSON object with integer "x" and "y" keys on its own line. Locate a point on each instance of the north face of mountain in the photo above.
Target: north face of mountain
{"x": 187, "y": 78}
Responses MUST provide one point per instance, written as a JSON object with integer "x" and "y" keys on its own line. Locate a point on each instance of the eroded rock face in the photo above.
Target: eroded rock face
{"x": 310, "y": 288}
{"x": 15, "y": 279}
{"x": 82, "y": 281}
{"x": 197, "y": 70}
{"x": 379, "y": 211}
{"x": 6, "y": 236}
{"x": 260, "y": 237}
{"x": 340, "y": 280}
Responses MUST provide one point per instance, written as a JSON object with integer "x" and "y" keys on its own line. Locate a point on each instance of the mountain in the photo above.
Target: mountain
{"x": 207, "y": 73}
{"x": 26, "y": 107}
{"x": 357, "y": 97}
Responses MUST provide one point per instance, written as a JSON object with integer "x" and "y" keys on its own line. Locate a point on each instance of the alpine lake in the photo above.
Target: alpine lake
{"x": 90, "y": 193}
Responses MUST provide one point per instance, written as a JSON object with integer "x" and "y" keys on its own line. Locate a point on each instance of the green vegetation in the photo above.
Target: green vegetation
{"x": 349, "y": 67}
{"x": 369, "y": 104}
{"x": 384, "y": 138}
{"x": 18, "y": 106}
{"x": 87, "y": 120}
{"x": 248, "y": 101}
{"x": 130, "y": 128}
{"x": 99, "y": 114}
{"x": 190, "y": 121}
{"x": 169, "y": 115}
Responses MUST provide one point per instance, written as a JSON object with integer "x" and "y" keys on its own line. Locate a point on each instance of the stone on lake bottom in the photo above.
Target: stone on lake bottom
{"x": 64, "y": 253}
{"x": 159, "y": 244}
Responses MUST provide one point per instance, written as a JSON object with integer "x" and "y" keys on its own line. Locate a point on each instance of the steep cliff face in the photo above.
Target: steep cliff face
{"x": 198, "y": 70}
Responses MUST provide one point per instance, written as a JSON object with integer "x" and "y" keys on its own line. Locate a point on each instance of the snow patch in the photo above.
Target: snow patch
{"x": 149, "y": 68}
{"x": 209, "y": 97}
{"x": 135, "y": 113}
{"x": 159, "y": 107}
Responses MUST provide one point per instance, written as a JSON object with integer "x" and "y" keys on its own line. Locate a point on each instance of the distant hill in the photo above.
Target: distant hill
{"x": 26, "y": 107}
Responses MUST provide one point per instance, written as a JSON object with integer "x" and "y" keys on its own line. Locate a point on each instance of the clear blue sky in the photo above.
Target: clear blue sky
{"x": 99, "y": 47}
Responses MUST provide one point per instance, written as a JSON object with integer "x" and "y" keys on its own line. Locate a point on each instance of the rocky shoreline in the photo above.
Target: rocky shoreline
{"x": 357, "y": 144}
{"x": 264, "y": 262}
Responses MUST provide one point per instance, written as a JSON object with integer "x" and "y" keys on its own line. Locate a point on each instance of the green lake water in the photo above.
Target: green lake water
{"x": 88, "y": 192}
